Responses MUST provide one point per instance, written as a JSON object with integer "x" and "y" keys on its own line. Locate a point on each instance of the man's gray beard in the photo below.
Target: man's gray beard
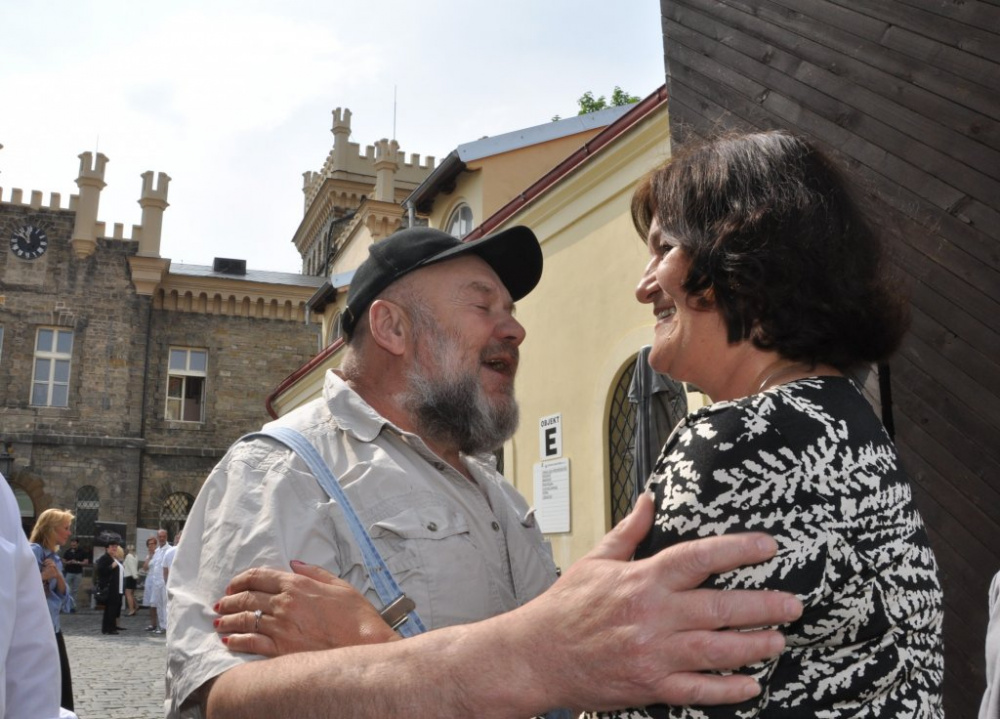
{"x": 454, "y": 410}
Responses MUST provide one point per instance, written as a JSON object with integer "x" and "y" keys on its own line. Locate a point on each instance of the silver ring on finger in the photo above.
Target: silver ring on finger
{"x": 256, "y": 621}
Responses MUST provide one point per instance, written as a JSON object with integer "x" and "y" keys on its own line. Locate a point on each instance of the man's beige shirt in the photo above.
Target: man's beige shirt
{"x": 462, "y": 551}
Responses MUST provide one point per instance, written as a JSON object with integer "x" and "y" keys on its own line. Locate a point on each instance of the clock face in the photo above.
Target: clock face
{"x": 29, "y": 242}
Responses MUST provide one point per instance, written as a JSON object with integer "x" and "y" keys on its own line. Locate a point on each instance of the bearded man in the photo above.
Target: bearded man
{"x": 408, "y": 425}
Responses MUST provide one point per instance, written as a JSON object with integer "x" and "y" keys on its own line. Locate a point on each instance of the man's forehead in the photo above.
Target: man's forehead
{"x": 469, "y": 273}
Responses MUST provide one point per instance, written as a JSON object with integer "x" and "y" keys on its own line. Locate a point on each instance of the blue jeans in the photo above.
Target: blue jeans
{"x": 73, "y": 584}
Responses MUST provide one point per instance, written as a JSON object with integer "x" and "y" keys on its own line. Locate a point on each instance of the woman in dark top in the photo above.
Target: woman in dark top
{"x": 769, "y": 288}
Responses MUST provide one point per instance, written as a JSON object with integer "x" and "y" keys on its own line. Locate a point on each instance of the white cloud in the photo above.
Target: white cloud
{"x": 233, "y": 100}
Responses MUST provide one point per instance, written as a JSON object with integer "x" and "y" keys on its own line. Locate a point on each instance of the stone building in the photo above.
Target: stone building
{"x": 124, "y": 377}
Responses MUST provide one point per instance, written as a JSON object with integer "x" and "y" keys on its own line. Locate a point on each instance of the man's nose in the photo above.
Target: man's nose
{"x": 511, "y": 330}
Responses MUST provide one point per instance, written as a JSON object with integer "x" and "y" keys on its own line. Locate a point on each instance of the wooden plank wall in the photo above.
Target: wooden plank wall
{"x": 907, "y": 93}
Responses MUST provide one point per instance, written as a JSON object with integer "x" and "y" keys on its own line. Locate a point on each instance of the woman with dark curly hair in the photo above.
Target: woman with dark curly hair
{"x": 769, "y": 288}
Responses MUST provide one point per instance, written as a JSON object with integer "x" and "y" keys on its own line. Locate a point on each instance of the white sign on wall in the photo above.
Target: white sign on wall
{"x": 552, "y": 496}
{"x": 550, "y": 437}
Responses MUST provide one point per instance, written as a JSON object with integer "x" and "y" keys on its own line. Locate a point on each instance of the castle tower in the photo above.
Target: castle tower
{"x": 341, "y": 133}
{"x": 153, "y": 202}
{"x": 91, "y": 182}
{"x": 386, "y": 164}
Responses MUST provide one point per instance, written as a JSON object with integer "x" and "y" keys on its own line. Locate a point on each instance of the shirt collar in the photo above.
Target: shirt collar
{"x": 353, "y": 415}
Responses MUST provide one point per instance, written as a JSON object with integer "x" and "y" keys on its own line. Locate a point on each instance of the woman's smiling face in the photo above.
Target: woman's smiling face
{"x": 687, "y": 335}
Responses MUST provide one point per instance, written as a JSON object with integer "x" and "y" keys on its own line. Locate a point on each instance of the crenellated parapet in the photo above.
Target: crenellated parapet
{"x": 347, "y": 160}
{"x": 16, "y": 197}
{"x": 86, "y": 227}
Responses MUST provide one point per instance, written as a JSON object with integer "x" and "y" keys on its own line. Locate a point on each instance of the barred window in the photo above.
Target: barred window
{"x": 174, "y": 512}
{"x": 53, "y": 356}
{"x": 88, "y": 509}
{"x": 621, "y": 447}
{"x": 186, "y": 384}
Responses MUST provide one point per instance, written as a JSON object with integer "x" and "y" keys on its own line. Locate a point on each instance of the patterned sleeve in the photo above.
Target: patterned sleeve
{"x": 851, "y": 547}
{"x": 729, "y": 470}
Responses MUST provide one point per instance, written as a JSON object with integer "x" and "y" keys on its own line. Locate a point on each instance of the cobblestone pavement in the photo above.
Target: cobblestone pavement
{"x": 115, "y": 676}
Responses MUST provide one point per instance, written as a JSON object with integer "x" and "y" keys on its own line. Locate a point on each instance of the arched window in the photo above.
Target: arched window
{"x": 621, "y": 446}
{"x": 88, "y": 508}
{"x": 174, "y": 512}
{"x": 24, "y": 504}
{"x": 460, "y": 222}
{"x": 645, "y": 408}
{"x": 336, "y": 328}
{"x": 26, "y": 508}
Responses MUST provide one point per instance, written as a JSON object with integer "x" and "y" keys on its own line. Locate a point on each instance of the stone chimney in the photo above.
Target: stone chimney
{"x": 341, "y": 133}
{"x": 91, "y": 182}
{"x": 153, "y": 202}
{"x": 386, "y": 164}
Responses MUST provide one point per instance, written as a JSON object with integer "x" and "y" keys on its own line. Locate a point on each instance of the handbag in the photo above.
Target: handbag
{"x": 398, "y": 610}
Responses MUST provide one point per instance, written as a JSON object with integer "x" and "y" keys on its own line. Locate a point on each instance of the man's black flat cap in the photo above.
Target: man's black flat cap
{"x": 514, "y": 255}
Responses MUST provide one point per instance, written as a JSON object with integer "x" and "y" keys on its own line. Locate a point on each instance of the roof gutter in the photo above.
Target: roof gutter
{"x": 587, "y": 150}
{"x": 302, "y": 371}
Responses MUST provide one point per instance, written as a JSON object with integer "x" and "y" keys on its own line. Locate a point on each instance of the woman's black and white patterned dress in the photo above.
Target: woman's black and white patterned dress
{"x": 809, "y": 463}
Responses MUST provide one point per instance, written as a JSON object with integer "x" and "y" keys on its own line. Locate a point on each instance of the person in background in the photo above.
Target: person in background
{"x": 144, "y": 574}
{"x": 50, "y": 531}
{"x": 111, "y": 580}
{"x": 990, "y": 708}
{"x": 769, "y": 288}
{"x": 119, "y": 556}
{"x": 131, "y": 564}
{"x": 168, "y": 561}
{"x": 154, "y": 587}
{"x": 30, "y": 684}
{"x": 74, "y": 560}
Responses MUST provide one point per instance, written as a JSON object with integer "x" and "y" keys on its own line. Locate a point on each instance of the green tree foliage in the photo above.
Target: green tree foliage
{"x": 588, "y": 103}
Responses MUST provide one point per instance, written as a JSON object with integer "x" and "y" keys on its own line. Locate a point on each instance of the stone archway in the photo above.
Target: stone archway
{"x": 34, "y": 488}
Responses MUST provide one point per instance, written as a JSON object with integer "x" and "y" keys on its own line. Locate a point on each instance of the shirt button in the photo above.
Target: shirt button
{"x": 496, "y": 527}
{"x": 432, "y": 526}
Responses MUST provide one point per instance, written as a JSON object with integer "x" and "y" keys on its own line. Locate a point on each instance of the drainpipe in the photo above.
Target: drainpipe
{"x": 885, "y": 399}
{"x": 142, "y": 416}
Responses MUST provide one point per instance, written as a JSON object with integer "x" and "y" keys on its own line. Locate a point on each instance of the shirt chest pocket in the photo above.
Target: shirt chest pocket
{"x": 406, "y": 531}
{"x": 430, "y": 552}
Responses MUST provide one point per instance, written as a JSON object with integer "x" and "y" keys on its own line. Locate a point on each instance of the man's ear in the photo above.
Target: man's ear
{"x": 389, "y": 326}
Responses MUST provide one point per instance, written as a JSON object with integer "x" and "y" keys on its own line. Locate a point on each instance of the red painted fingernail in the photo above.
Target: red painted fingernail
{"x": 216, "y": 623}
{"x": 225, "y": 640}
{"x": 216, "y": 606}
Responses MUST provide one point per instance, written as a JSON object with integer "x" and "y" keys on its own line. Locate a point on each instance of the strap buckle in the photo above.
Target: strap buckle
{"x": 398, "y": 611}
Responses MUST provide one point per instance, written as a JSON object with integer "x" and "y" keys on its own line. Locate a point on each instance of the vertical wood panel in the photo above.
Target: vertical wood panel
{"x": 905, "y": 93}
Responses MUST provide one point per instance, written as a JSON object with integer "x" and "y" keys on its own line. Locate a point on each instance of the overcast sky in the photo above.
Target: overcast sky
{"x": 233, "y": 100}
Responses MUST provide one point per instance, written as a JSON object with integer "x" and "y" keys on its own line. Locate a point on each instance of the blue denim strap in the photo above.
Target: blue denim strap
{"x": 381, "y": 578}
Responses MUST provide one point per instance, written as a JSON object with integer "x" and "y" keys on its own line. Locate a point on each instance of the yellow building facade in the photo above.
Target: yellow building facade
{"x": 584, "y": 325}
